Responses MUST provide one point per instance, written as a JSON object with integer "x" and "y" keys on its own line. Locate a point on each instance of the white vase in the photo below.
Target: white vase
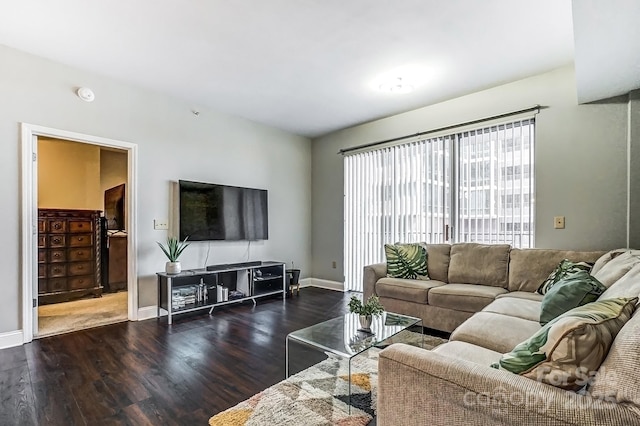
{"x": 365, "y": 322}
{"x": 172, "y": 268}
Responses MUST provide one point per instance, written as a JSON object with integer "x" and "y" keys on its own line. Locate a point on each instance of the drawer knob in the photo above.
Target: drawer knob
{"x": 80, "y": 267}
{"x": 79, "y": 253}
{"x": 56, "y": 255}
{"x": 57, "y": 226}
{"x": 80, "y": 238}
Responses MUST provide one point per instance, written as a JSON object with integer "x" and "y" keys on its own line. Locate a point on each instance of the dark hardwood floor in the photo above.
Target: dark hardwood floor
{"x": 150, "y": 373}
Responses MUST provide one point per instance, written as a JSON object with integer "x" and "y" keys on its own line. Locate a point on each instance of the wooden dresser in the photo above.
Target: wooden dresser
{"x": 117, "y": 262}
{"x": 69, "y": 255}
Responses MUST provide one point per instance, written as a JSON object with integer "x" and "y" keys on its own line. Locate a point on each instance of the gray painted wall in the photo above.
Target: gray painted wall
{"x": 634, "y": 169}
{"x": 581, "y": 163}
{"x": 173, "y": 144}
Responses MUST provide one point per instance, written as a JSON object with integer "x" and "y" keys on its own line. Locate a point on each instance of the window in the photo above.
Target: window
{"x": 472, "y": 186}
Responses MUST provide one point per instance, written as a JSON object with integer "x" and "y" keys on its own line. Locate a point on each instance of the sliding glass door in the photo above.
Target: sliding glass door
{"x": 470, "y": 186}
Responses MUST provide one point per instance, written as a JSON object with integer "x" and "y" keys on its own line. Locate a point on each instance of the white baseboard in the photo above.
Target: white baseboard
{"x": 149, "y": 312}
{"x": 317, "y": 282}
{"x": 11, "y": 339}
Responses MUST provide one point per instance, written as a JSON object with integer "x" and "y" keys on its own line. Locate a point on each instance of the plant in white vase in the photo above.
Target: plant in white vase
{"x": 367, "y": 310}
{"x": 173, "y": 250}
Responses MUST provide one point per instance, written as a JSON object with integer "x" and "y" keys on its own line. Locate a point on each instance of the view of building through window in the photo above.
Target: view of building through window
{"x": 473, "y": 186}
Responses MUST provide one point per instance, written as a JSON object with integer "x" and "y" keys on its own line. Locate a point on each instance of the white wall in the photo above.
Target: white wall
{"x": 580, "y": 156}
{"x": 173, "y": 144}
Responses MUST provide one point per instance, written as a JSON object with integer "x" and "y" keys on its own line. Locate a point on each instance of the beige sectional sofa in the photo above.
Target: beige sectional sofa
{"x": 465, "y": 278}
{"x": 489, "y": 314}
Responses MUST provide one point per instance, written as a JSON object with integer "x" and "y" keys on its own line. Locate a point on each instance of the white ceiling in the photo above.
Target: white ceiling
{"x": 305, "y": 66}
{"x": 608, "y": 52}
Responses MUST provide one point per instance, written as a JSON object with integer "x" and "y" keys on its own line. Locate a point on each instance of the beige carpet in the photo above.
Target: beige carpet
{"x": 65, "y": 317}
{"x": 319, "y": 395}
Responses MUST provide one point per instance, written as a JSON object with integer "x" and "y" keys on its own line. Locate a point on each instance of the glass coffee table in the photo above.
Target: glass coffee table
{"x": 341, "y": 336}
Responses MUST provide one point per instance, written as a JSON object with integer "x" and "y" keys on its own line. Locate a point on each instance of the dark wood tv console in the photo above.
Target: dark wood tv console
{"x": 218, "y": 285}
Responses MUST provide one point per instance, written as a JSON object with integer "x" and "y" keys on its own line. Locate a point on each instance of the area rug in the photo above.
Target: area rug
{"x": 80, "y": 314}
{"x": 319, "y": 395}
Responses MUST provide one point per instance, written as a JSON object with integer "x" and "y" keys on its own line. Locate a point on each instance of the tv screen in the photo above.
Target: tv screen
{"x": 220, "y": 212}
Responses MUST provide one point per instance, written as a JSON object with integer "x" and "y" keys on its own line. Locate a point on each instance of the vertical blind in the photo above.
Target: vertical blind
{"x": 471, "y": 186}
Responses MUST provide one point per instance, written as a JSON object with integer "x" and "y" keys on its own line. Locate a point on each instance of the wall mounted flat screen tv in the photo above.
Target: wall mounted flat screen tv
{"x": 220, "y": 212}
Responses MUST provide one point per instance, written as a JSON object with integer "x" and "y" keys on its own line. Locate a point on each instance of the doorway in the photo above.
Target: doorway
{"x": 78, "y": 203}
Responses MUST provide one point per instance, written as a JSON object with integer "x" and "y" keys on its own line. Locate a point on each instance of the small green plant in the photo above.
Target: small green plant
{"x": 174, "y": 248}
{"x": 371, "y": 307}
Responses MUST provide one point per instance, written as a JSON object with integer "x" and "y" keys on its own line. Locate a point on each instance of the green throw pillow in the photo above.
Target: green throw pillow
{"x": 569, "y": 350}
{"x": 570, "y": 292}
{"x": 564, "y": 268}
{"x": 406, "y": 261}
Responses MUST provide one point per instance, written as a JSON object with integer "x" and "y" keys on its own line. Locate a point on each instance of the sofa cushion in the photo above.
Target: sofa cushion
{"x": 482, "y": 264}
{"x": 463, "y": 297}
{"x": 565, "y": 267}
{"x": 438, "y": 256}
{"x": 567, "y": 350}
{"x": 627, "y": 286}
{"x": 613, "y": 270}
{"x": 527, "y": 295}
{"x": 610, "y": 255}
{"x": 406, "y": 261}
{"x": 515, "y": 307}
{"x": 569, "y": 292}
{"x": 403, "y": 289}
{"x": 528, "y": 268}
{"x": 468, "y": 352}
{"x": 500, "y": 333}
{"x": 619, "y": 375}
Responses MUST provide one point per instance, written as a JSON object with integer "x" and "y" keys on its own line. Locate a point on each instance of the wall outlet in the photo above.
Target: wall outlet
{"x": 558, "y": 222}
{"x": 160, "y": 224}
{"x": 334, "y": 264}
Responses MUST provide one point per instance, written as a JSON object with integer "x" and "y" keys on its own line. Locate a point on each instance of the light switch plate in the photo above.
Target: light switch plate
{"x": 160, "y": 224}
{"x": 558, "y": 222}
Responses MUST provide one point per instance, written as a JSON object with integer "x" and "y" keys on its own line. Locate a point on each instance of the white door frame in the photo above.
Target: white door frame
{"x": 30, "y": 211}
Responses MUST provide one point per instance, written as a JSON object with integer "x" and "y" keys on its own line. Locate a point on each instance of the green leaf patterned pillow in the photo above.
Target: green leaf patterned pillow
{"x": 406, "y": 261}
{"x": 569, "y": 350}
{"x": 564, "y": 268}
{"x": 573, "y": 290}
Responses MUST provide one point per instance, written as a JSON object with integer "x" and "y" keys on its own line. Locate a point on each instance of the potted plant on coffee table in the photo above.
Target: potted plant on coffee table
{"x": 173, "y": 250}
{"x": 366, "y": 310}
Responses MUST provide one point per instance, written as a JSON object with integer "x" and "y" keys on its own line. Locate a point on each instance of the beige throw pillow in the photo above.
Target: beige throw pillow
{"x": 613, "y": 270}
{"x": 627, "y": 286}
{"x": 569, "y": 350}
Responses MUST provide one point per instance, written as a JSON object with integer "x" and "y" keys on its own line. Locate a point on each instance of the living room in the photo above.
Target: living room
{"x": 586, "y": 153}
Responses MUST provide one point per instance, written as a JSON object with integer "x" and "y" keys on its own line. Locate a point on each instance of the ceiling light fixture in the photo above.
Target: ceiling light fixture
{"x": 85, "y": 94}
{"x": 396, "y": 85}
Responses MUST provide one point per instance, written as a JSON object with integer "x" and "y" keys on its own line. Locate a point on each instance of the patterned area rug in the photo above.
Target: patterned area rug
{"x": 319, "y": 395}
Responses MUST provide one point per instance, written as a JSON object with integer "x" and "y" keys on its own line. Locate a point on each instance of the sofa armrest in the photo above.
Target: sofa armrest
{"x": 420, "y": 387}
{"x": 372, "y": 273}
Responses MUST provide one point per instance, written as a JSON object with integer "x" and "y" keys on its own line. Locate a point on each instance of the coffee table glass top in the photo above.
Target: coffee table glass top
{"x": 340, "y": 335}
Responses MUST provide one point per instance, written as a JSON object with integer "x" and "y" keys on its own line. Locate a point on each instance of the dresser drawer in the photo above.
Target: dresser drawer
{"x": 42, "y": 226}
{"x": 79, "y": 226}
{"x": 56, "y": 270}
{"x": 57, "y": 285}
{"x": 42, "y": 271}
{"x": 42, "y": 241}
{"x": 77, "y": 283}
{"x": 42, "y": 286}
{"x": 80, "y": 253}
{"x": 81, "y": 240}
{"x": 42, "y": 256}
{"x": 57, "y": 226}
{"x": 56, "y": 241}
{"x": 57, "y": 255}
{"x": 80, "y": 268}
